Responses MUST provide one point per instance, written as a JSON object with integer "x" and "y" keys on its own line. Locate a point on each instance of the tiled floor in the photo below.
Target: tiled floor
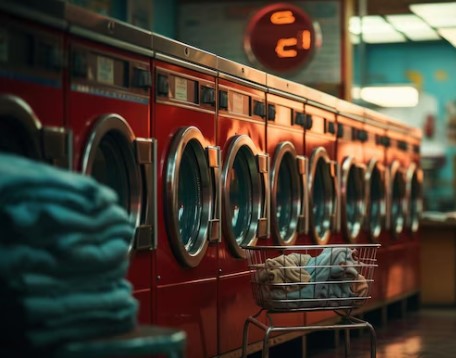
{"x": 427, "y": 333}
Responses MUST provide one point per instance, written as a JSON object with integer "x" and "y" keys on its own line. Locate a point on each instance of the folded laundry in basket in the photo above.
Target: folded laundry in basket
{"x": 285, "y": 269}
{"x": 337, "y": 263}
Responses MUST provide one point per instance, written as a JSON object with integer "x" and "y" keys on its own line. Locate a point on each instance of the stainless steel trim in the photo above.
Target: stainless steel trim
{"x": 57, "y": 146}
{"x": 264, "y": 222}
{"x": 235, "y": 70}
{"x": 374, "y": 226}
{"x": 242, "y": 82}
{"x": 113, "y": 123}
{"x": 329, "y": 204}
{"x": 413, "y": 197}
{"x": 182, "y": 63}
{"x": 187, "y": 53}
{"x": 146, "y": 158}
{"x": 235, "y": 144}
{"x": 214, "y": 161}
{"x": 285, "y": 88}
{"x": 303, "y": 170}
{"x": 188, "y": 256}
{"x": 351, "y": 229}
{"x": 397, "y": 221}
{"x": 14, "y": 107}
{"x": 282, "y": 150}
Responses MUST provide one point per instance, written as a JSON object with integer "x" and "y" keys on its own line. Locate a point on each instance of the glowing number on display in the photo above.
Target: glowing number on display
{"x": 281, "y": 47}
{"x": 282, "y": 18}
{"x": 305, "y": 39}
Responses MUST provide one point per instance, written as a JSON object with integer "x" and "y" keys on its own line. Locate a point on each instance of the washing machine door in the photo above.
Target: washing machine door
{"x": 192, "y": 208}
{"x": 322, "y": 196}
{"x": 288, "y": 194}
{"x": 245, "y": 184}
{"x": 116, "y": 158}
{"x": 414, "y": 197}
{"x": 21, "y": 133}
{"x": 397, "y": 204}
{"x": 375, "y": 199}
{"x": 353, "y": 197}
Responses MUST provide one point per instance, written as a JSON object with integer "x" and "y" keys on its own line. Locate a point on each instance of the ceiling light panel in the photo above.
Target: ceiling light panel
{"x": 390, "y": 96}
{"x": 449, "y": 34}
{"x": 436, "y": 14}
{"x": 374, "y": 29}
{"x": 413, "y": 27}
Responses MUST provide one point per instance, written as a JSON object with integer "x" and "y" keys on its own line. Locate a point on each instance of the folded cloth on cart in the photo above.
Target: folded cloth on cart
{"x": 285, "y": 269}
{"x": 333, "y": 276}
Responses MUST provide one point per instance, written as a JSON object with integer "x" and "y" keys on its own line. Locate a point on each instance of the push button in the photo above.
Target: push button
{"x": 162, "y": 85}
{"x": 207, "y": 95}
{"x": 141, "y": 78}
{"x": 271, "y": 112}
{"x": 223, "y": 99}
{"x": 259, "y": 109}
{"x": 300, "y": 119}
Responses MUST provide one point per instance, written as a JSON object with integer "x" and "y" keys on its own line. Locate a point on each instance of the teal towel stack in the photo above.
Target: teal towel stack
{"x": 64, "y": 244}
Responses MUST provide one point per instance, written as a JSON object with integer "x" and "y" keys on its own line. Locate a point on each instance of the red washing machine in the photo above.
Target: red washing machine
{"x": 288, "y": 170}
{"x": 320, "y": 148}
{"x": 374, "y": 149}
{"x": 414, "y": 202}
{"x": 189, "y": 199}
{"x": 350, "y": 156}
{"x": 108, "y": 108}
{"x": 32, "y": 82}
{"x": 397, "y": 162}
{"x": 241, "y": 132}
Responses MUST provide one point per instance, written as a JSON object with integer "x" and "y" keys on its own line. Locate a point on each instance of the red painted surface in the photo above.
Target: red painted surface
{"x": 186, "y": 297}
{"x": 84, "y": 109}
{"x": 235, "y": 299}
{"x": 40, "y": 88}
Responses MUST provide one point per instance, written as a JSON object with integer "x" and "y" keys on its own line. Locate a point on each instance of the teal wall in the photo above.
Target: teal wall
{"x": 164, "y": 19}
{"x": 432, "y": 67}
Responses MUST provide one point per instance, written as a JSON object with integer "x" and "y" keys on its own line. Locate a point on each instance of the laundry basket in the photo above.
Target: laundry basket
{"x": 310, "y": 278}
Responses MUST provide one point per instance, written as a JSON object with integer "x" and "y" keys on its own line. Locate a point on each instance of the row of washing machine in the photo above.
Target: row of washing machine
{"x": 207, "y": 155}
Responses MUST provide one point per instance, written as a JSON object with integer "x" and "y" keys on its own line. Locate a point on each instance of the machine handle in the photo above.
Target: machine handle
{"x": 146, "y": 157}
{"x": 214, "y": 161}
{"x": 303, "y": 219}
{"x": 263, "y": 222}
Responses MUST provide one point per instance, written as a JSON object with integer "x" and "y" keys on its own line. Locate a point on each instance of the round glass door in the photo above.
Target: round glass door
{"x": 322, "y": 196}
{"x": 397, "y": 199}
{"x": 415, "y": 201}
{"x": 188, "y": 196}
{"x": 375, "y": 208}
{"x": 242, "y": 195}
{"x": 19, "y": 128}
{"x": 353, "y": 199}
{"x": 110, "y": 159}
{"x": 286, "y": 195}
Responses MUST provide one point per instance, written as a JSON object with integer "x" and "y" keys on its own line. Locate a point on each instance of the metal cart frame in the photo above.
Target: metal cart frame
{"x": 289, "y": 276}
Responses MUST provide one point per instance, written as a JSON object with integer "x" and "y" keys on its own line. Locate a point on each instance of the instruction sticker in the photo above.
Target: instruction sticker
{"x": 238, "y": 103}
{"x": 105, "y": 70}
{"x": 3, "y": 45}
{"x": 180, "y": 91}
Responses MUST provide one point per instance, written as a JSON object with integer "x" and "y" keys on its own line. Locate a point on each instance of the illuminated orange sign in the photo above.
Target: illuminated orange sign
{"x": 280, "y": 37}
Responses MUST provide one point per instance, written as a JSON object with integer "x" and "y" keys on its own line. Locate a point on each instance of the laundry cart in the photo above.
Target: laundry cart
{"x": 310, "y": 278}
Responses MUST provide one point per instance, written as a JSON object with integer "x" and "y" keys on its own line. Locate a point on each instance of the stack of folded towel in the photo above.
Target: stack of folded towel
{"x": 299, "y": 280}
{"x": 64, "y": 245}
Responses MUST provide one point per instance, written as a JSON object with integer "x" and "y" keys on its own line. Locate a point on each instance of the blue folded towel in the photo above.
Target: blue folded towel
{"x": 43, "y": 224}
{"x": 18, "y": 173}
{"x": 82, "y": 260}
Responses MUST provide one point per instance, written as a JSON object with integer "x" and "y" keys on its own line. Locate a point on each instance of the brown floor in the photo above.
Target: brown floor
{"x": 423, "y": 333}
{"x": 427, "y": 333}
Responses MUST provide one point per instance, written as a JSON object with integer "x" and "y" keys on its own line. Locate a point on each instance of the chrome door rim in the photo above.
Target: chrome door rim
{"x": 351, "y": 230}
{"x": 396, "y": 177}
{"x": 329, "y": 204}
{"x": 374, "y": 227}
{"x": 181, "y": 140}
{"x": 113, "y": 123}
{"x": 414, "y": 182}
{"x": 234, "y": 146}
{"x": 282, "y": 151}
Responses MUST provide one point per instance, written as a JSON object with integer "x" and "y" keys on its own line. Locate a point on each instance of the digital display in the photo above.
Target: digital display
{"x": 280, "y": 37}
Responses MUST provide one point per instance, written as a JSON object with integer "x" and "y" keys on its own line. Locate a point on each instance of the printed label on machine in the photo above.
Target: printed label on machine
{"x": 105, "y": 70}
{"x": 180, "y": 91}
{"x": 3, "y": 45}
{"x": 237, "y": 105}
